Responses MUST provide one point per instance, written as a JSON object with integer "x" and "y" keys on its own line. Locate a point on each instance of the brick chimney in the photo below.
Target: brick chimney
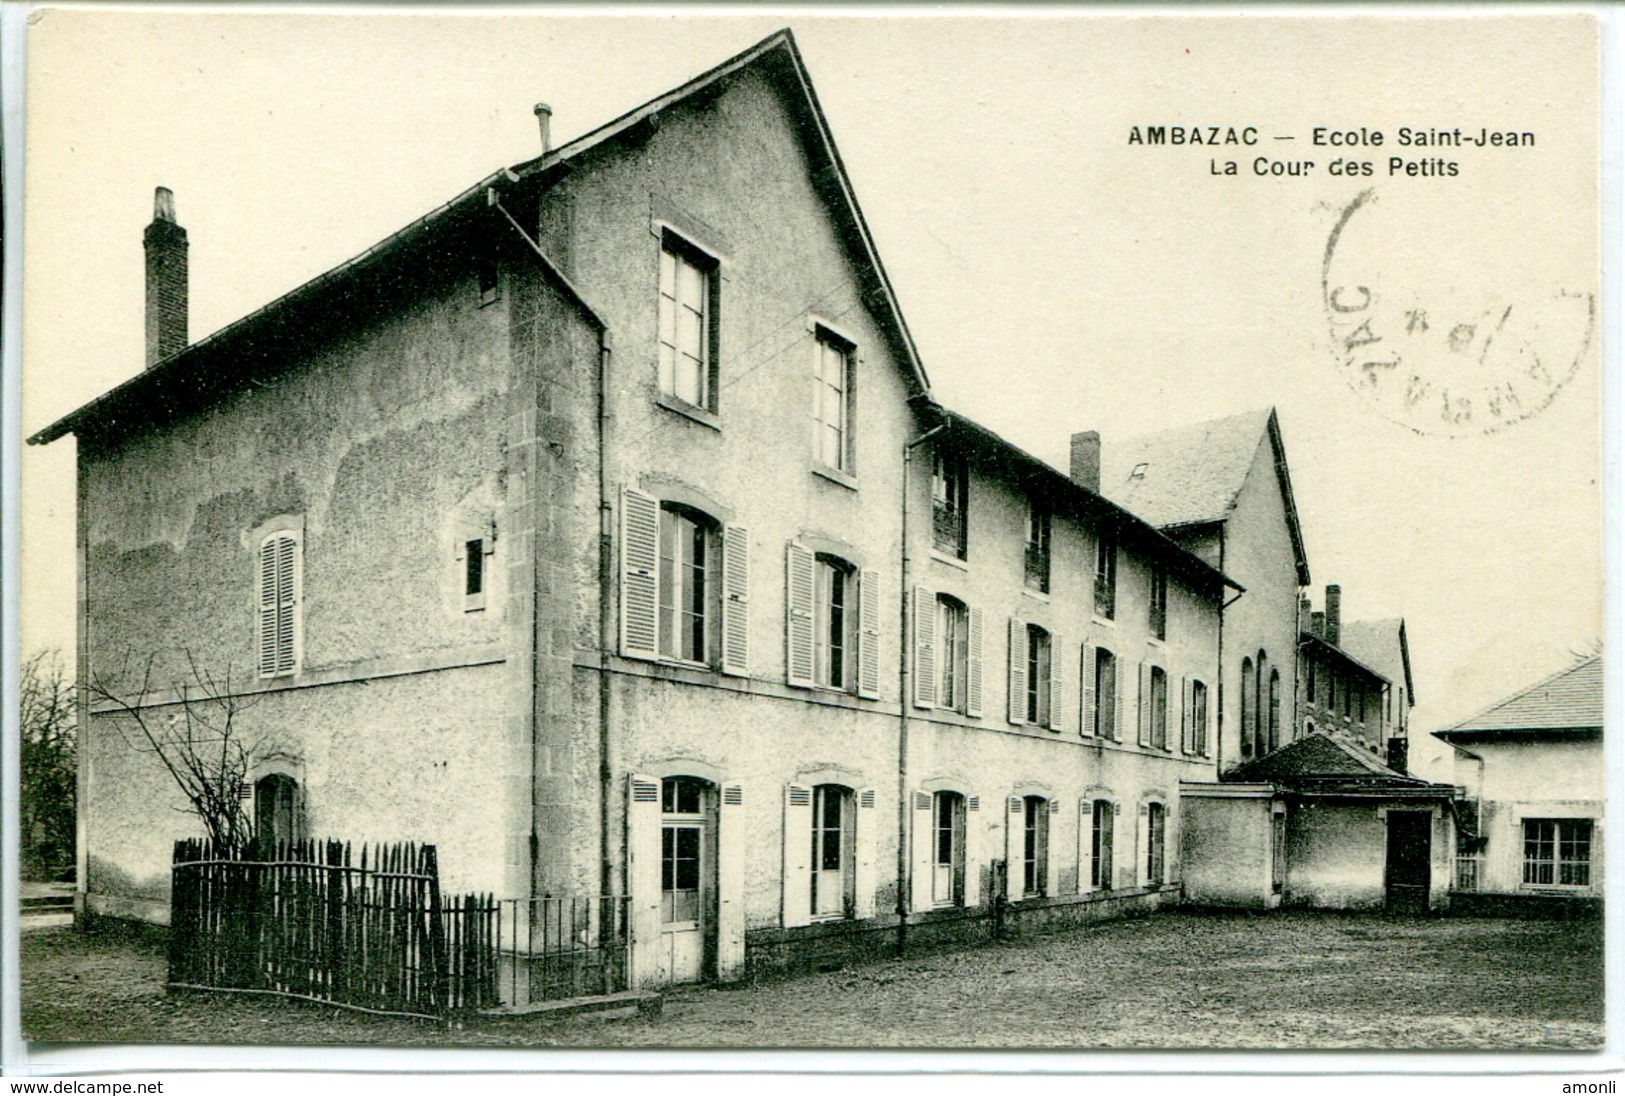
{"x": 166, "y": 280}
{"x": 1317, "y": 625}
{"x": 1086, "y": 459}
{"x": 1399, "y": 750}
{"x": 1304, "y": 620}
{"x": 1334, "y": 615}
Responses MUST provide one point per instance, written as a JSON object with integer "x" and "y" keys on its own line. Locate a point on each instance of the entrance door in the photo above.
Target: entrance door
{"x": 686, "y": 873}
{"x": 1410, "y": 836}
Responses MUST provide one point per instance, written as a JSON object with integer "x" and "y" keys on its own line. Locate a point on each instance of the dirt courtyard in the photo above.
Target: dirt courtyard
{"x": 1173, "y": 980}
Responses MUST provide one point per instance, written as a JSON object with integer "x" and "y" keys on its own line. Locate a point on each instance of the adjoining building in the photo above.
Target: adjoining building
{"x": 1531, "y": 766}
{"x": 601, "y": 529}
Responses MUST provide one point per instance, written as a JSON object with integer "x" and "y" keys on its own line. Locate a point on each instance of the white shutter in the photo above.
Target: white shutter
{"x": 643, "y": 876}
{"x": 869, "y": 635}
{"x": 798, "y": 620}
{"x": 1143, "y": 705}
{"x": 732, "y": 838}
{"x": 1187, "y": 738}
{"x": 977, "y": 823}
{"x": 268, "y": 608}
{"x": 1141, "y": 845}
{"x": 973, "y": 665}
{"x": 736, "y": 600}
{"x": 1060, "y": 716}
{"x": 797, "y": 880}
{"x": 922, "y": 829}
{"x": 867, "y": 842}
{"x": 1086, "y": 835}
{"x": 925, "y": 648}
{"x": 287, "y": 581}
{"x": 1015, "y": 822}
{"x": 1119, "y": 700}
{"x": 640, "y": 566}
{"x": 1052, "y": 849}
{"x": 1018, "y": 671}
{"x": 1086, "y": 674}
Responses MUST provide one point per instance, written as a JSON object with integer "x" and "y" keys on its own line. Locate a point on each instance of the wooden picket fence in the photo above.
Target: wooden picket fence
{"x": 304, "y": 919}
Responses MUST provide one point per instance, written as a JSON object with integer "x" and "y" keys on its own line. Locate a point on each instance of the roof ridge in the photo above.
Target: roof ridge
{"x": 1525, "y": 691}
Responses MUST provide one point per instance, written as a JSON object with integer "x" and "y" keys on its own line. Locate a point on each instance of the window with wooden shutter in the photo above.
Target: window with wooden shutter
{"x": 1087, "y": 673}
{"x": 973, "y": 665}
{"x": 799, "y": 593}
{"x": 1060, "y": 716}
{"x": 736, "y": 600}
{"x": 640, "y": 564}
{"x": 279, "y": 588}
{"x": 1018, "y": 671}
{"x": 1145, "y": 704}
{"x": 1199, "y": 718}
{"x": 869, "y": 635}
{"x": 925, "y": 648}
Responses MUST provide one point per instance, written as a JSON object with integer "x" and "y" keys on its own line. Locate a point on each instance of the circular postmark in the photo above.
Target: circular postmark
{"x": 1443, "y": 338}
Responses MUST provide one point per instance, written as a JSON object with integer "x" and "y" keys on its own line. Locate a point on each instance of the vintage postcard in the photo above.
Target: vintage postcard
{"x": 814, "y": 528}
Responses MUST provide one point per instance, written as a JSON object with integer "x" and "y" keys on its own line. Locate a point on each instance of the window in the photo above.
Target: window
{"x": 1155, "y": 827}
{"x": 1360, "y": 706}
{"x": 832, "y": 622}
{"x": 280, "y": 580}
{"x": 1106, "y": 574}
{"x": 684, "y": 551}
{"x": 474, "y": 571}
{"x": 1038, "y": 676}
{"x": 832, "y": 847}
{"x": 1036, "y": 571}
{"x": 1249, "y": 702}
{"x": 1557, "y": 852}
{"x": 1100, "y": 846}
{"x": 1198, "y": 719}
{"x": 1331, "y": 693}
{"x": 950, "y": 497}
{"x": 687, "y": 323}
{"x": 682, "y": 851}
{"x": 276, "y": 810}
{"x": 1259, "y": 726}
{"x": 1034, "y": 846}
{"x": 1159, "y": 605}
{"x": 1348, "y": 698}
{"x": 1275, "y": 711}
{"x": 953, "y": 635}
{"x": 1311, "y": 682}
{"x": 1103, "y": 716}
{"x": 490, "y": 286}
{"x": 1154, "y": 707}
{"x": 948, "y": 849}
{"x": 832, "y": 401}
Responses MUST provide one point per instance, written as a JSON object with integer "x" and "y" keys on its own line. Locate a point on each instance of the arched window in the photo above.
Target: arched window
{"x": 276, "y": 809}
{"x": 1249, "y": 701}
{"x": 953, "y": 634}
{"x": 1275, "y": 710}
{"x": 1038, "y": 676}
{"x": 1034, "y": 846}
{"x": 948, "y": 849}
{"x": 685, "y": 564}
{"x": 1259, "y": 727}
{"x": 834, "y": 614}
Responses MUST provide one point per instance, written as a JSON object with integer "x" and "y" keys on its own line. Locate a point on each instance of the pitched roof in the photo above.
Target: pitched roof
{"x": 1321, "y": 763}
{"x": 1191, "y": 475}
{"x": 1068, "y": 495}
{"x": 1568, "y": 700}
{"x": 1381, "y": 645}
{"x": 186, "y": 375}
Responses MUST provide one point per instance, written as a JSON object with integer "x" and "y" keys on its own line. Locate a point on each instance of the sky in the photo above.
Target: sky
{"x": 1056, "y": 274}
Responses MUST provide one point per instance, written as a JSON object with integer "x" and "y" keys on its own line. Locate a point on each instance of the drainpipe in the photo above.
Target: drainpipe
{"x": 606, "y": 547}
{"x": 904, "y": 861}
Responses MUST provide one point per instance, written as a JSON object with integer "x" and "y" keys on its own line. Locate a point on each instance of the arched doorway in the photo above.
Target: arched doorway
{"x": 688, "y": 879}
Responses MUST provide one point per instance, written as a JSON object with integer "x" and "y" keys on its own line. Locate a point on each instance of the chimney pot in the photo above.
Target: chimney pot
{"x": 165, "y": 244}
{"x": 1086, "y": 459}
{"x": 1334, "y": 615}
{"x": 544, "y": 120}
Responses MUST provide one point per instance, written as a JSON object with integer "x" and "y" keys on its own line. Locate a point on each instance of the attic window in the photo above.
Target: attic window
{"x": 490, "y": 285}
{"x": 1139, "y": 470}
{"x": 475, "y": 570}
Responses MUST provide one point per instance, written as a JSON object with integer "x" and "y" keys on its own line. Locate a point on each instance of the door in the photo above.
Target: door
{"x": 1409, "y": 854}
{"x": 687, "y": 874}
{"x": 832, "y": 874}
